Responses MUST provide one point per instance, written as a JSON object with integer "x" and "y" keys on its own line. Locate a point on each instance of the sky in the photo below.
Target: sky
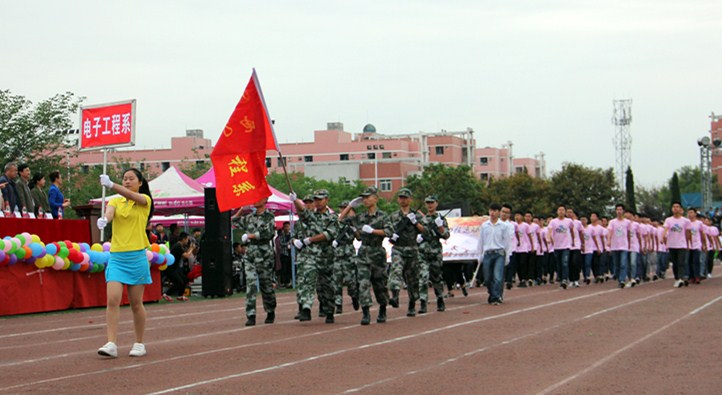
{"x": 541, "y": 74}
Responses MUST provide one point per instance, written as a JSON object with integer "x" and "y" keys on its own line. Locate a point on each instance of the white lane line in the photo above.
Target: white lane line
{"x": 625, "y": 348}
{"x": 499, "y": 344}
{"x": 383, "y": 342}
{"x": 138, "y": 365}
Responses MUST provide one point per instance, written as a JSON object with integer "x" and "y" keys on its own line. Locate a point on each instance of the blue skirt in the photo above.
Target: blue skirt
{"x": 128, "y": 267}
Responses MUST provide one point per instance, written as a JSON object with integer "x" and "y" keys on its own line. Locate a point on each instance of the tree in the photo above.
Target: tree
{"x": 338, "y": 190}
{"x": 448, "y": 183}
{"x": 650, "y": 203}
{"x": 521, "y": 191}
{"x": 676, "y": 192}
{"x": 36, "y": 134}
{"x": 584, "y": 189}
{"x": 629, "y": 190}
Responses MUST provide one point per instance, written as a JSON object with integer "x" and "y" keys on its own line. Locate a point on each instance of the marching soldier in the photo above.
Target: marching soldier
{"x": 258, "y": 228}
{"x": 299, "y": 232}
{"x": 431, "y": 254}
{"x": 405, "y": 252}
{"x": 321, "y": 229}
{"x": 372, "y": 227}
{"x": 345, "y": 261}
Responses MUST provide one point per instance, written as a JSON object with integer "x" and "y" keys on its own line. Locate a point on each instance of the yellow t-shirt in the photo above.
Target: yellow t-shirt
{"x": 129, "y": 224}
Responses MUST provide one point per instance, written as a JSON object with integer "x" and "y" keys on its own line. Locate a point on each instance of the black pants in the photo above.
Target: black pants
{"x": 710, "y": 261}
{"x": 453, "y": 274}
{"x": 575, "y": 264}
{"x": 678, "y": 257}
{"x": 178, "y": 281}
{"x": 284, "y": 276}
{"x": 596, "y": 267}
{"x": 522, "y": 265}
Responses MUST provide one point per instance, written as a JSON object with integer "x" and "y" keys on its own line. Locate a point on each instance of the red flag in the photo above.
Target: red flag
{"x": 239, "y": 157}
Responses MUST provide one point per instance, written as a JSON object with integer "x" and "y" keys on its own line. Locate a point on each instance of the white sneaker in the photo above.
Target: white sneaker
{"x": 109, "y": 350}
{"x": 678, "y": 284}
{"x": 138, "y": 350}
{"x": 709, "y": 275}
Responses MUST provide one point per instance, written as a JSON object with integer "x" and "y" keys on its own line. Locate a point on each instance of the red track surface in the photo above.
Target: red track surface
{"x": 595, "y": 339}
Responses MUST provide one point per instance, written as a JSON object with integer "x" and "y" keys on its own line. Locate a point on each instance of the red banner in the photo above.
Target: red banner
{"x": 239, "y": 157}
{"x": 107, "y": 125}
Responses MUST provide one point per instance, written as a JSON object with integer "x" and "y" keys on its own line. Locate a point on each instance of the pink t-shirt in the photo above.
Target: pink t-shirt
{"x": 561, "y": 230}
{"x": 522, "y": 232}
{"x": 534, "y": 232}
{"x": 661, "y": 246}
{"x": 619, "y": 229}
{"x": 633, "y": 239}
{"x": 676, "y": 232}
{"x": 713, "y": 233}
{"x": 604, "y": 236}
{"x": 697, "y": 229}
{"x": 577, "y": 228}
{"x": 589, "y": 246}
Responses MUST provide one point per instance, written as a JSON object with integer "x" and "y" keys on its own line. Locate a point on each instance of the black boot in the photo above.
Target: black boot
{"x": 329, "y": 318}
{"x": 339, "y": 309}
{"x": 305, "y": 315}
{"x": 394, "y": 301}
{"x": 270, "y": 318}
{"x": 321, "y": 312}
{"x": 440, "y": 304}
{"x": 366, "y": 319}
{"x": 298, "y": 315}
{"x": 382, "y": 314}
{"x": 251, "y": 320}
{"x": 422, "y": 307}
{"x": 354, "y": 301}
{"x": 412, "y": 309}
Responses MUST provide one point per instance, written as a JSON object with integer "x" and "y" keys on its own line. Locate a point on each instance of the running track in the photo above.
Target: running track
{"x": 542, "y": 340}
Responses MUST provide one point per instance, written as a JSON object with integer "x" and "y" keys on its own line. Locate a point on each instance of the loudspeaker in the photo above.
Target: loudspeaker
{"x": 218, "y": 225}
{"x": 217, "y": 268}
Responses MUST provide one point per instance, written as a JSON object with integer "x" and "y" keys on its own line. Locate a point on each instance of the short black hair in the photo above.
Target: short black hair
{"x": 619, "y": 205}
{"x": 54, "y": 175}
{"x": 561, "y": 205}
{"x": 286, "y": 223}
{"x": 676, "y": 202}
{"x": 183, "y": 236}
{"x": 196, "y": 230}
{"x": 22, "y": 167}
{"x": 505, "y": 205}
{"x": 495, "y": 207}
{"x": 594, "y": 213}
{"x": 529, "y": 212}
{"x": 236, "y": 244}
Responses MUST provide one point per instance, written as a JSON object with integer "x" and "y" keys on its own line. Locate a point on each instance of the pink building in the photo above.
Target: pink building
{"x": 334, "y": 154}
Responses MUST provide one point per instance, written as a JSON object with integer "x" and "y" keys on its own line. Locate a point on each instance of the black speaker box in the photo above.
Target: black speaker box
{"x": 217, "y": 267}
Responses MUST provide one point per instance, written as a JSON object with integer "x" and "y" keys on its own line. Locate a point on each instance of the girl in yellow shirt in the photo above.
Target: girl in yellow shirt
{"x": 128, "y": 264}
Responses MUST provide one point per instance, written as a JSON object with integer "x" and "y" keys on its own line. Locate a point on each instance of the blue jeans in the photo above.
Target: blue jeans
{"x": 633, "y": 264}
{"x": 662, "y": 263}
{"x": 693, "y": 265}
{"x": 619, "y": 259}
{"x": 587, "y": 264}
{"x": 494, "y": 274}
{"x": 562, "y": 258}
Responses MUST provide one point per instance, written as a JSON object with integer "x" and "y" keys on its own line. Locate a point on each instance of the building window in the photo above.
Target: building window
{"x": 200, "y": 162}
{"x": 142, "y": 166}
{"x": 281, "y": 162}
{"x": 268, "y": 162}
{"x": 386, "y": 155}
{"x": 519, "y": 170}
{"x": 165, "y": 165}
{"x": 385, "y": 185}
{"x": 484, "y": 161}
{"x": 86, "y": 169}
{"x": 484, "y": 176}
{"x": 371, "y": 155}
{"x": 308, "y": 158}
{"x": 343, "y": 157}
{"x": 440, "y": 150}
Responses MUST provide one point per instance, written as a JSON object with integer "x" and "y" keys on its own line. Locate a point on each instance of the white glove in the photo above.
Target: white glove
{"x": 298, "y": 244}
{"x": 244, "y": 238}
{"x": 293, "y": 196}
{"x": 394, "y": 237}
{"x": 367, "y": 229}
{"x": 105, "y": 181}
{"x": 102, "y": 223}
{"x": 356, "y": 202}
{"x": 307, "y": 241}
{"x": 334, "y": 244}
{"x": 412, "y": 218}
{"x": 439, "y": 222}
{"x": 419, "y": 239}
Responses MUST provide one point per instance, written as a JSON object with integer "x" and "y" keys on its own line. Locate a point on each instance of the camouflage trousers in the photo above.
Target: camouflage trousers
{"x": 430, "y": 269}
{"x": 372, "y": 274}
{"x": 301, "y": 264}
{"x": 405, "y": 266}
{"x": 318, "y": 277}
{"x": 259, "y": 263}
{"x": 344, "y": 270}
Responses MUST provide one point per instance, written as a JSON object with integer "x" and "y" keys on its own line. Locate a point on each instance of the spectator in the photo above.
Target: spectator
{"x": 239, "y": 283}
{"x": 197, "y": 235}
{"x": 9, "y": 191}
{"x": 174, "y": 234}
{"x": 25, "y": 200}
{"x": 160, "y": 233}
{"x": 57, "y": 201}
{"x": 174, "y": 273}
{"x": 283, "y": 255}
{"x": 40, "y": 198}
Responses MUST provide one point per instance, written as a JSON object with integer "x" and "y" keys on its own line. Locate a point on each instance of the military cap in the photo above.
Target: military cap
{"x": 320, "y": 194}
{"x": 431, "y": 199}
{"x": 370, "y": 191}
{"x": 404, "y": 192}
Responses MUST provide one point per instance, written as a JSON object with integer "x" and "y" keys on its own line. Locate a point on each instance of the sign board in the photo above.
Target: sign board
{"x": 109, "y": 125}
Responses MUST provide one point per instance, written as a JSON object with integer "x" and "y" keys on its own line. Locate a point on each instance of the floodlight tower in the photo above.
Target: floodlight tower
{"x": 621, "y": 119}
{"x": 706, "y": 146}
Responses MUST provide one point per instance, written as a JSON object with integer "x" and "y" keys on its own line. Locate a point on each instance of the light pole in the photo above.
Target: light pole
{"x": 706, "y": 145}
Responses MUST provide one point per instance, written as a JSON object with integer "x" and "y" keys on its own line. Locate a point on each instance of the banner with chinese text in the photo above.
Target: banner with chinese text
{"x": 107, "y": 125}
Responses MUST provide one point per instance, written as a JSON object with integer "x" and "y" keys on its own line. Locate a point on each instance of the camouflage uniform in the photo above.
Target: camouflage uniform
{"x": 318, "y": 268}
{"x": 302, "y": 256}
{"x": 371, "y": 258}
{"x": 431, "y": 257}
{"x": 259, "y": 260}
{"x": 345, "y": 262}
{"x": 404, "y": 256}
